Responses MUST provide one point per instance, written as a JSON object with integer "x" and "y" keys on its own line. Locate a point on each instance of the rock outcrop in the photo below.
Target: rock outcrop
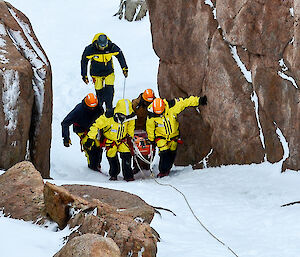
{"x": 132, "y": 10}
{"x": 244, "y": 56}
{"x": 26, "y": 93}
{"x": 129, "y": 232}
{"x": 99, "y": 211}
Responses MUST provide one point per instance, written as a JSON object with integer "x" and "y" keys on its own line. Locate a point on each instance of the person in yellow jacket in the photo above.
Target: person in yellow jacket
{"x": 162, "y": 127}
{"x": 117, "y": 126}
{"x": 100, "y": 52}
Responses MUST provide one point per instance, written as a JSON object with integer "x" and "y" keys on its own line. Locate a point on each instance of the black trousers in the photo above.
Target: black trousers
{"x": 114, "y": 166}
{"x": 95, "y": 157}
{"x": 106, "y": 95}
{"x": 166, "y": 161}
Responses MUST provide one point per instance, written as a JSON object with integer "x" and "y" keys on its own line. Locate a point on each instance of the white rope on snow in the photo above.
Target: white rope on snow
{"x": 141, "y": 157}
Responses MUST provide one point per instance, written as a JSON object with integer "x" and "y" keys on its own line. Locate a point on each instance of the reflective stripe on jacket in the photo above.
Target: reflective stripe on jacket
{"x": 166, "y": 125}
{"x": 113, "y": 130}
{"x": 101, "y": 60}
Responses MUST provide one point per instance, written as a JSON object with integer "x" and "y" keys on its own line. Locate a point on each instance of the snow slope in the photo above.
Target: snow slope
{"x": 240, "y": 205}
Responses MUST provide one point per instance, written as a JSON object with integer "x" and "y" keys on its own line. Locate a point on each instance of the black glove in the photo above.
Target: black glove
{"x": 67, "y": 142}
{"x": 88, "y": 144}
{"x": 125, "y": 72}
{"x": 203, "y": 100}
{"x": 85, "y": 79}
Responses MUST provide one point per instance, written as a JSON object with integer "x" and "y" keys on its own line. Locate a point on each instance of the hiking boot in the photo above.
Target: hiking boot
{"x": 98, "y": 168}
{"x": 129, "y": 179}
{"x": 161, "y": 175}
{"x": 113, "y": 178}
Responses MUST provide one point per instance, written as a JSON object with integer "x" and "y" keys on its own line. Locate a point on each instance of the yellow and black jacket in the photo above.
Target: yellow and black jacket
{"x": 101, "y": 60}
{"x": 166, "y": 125}
{"x": 113, "y": 130}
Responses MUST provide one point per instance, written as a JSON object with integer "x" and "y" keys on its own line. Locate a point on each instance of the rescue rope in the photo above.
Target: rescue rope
{"x": 141, "y": 157}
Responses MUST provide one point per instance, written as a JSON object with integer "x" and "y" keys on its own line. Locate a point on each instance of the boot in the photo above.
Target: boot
{"x": 98, "y": 168}
{"x": 161, "y": 175}
{"x": 129, "y": 179}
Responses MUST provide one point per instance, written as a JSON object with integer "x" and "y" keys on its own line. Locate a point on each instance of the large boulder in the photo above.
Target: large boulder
{"x": 90, "y": 245}
{"x": 26, "y": 93}
{"x": 133, "y": 237}
{"x": 21, "y": 193}
{"x": 244, "y": 55}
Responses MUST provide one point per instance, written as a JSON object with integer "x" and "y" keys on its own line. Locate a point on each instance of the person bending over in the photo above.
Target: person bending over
{"x": 82, "y": 117}
{"x": 163, "y": 127}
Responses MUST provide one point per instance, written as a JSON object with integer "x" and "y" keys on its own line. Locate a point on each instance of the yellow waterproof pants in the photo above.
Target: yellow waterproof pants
{"x": 164, "y": 144}
{"x": 99, "y": 81}
{"x": 112, "y": 147}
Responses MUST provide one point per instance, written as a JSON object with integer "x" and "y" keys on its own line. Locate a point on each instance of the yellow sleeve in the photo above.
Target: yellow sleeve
{"x": 98, "y": 124}
{"x": 181, "y": 103}
{"x": 130, "y": 128}
{"x": 150, "y": 128}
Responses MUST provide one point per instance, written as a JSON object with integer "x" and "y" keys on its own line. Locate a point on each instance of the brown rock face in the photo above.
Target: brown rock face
{"x": 90, "y": 245}
{"x": 26, "y": 93}
{"x": 21, "y": 192}
{"x": 244, "y": 55}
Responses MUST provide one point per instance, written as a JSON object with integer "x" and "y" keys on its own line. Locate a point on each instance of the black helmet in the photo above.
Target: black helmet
{"x": 102, "y": 41}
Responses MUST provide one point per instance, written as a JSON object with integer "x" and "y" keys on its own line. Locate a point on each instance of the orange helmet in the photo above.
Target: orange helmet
{"x": 148, "y": 95}
{"x": 91, "y": 100}
{"x": 158, "y": 105}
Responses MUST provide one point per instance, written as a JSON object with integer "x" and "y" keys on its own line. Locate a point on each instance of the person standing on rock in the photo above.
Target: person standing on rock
{"x": 100, "y": 52}
{"x": 82, "y": 117}
{"x": 118, "y": 129}
{"x": 162, "y": 127}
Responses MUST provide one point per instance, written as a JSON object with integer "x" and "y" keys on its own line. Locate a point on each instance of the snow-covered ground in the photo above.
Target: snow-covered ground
{"x": 240, "y": 205}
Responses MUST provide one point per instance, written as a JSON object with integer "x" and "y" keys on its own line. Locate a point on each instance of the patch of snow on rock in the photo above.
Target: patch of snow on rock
{"x": 3, "y": 59}
{"x": 10, "y": 95}
{"x": 26, "y": 29}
